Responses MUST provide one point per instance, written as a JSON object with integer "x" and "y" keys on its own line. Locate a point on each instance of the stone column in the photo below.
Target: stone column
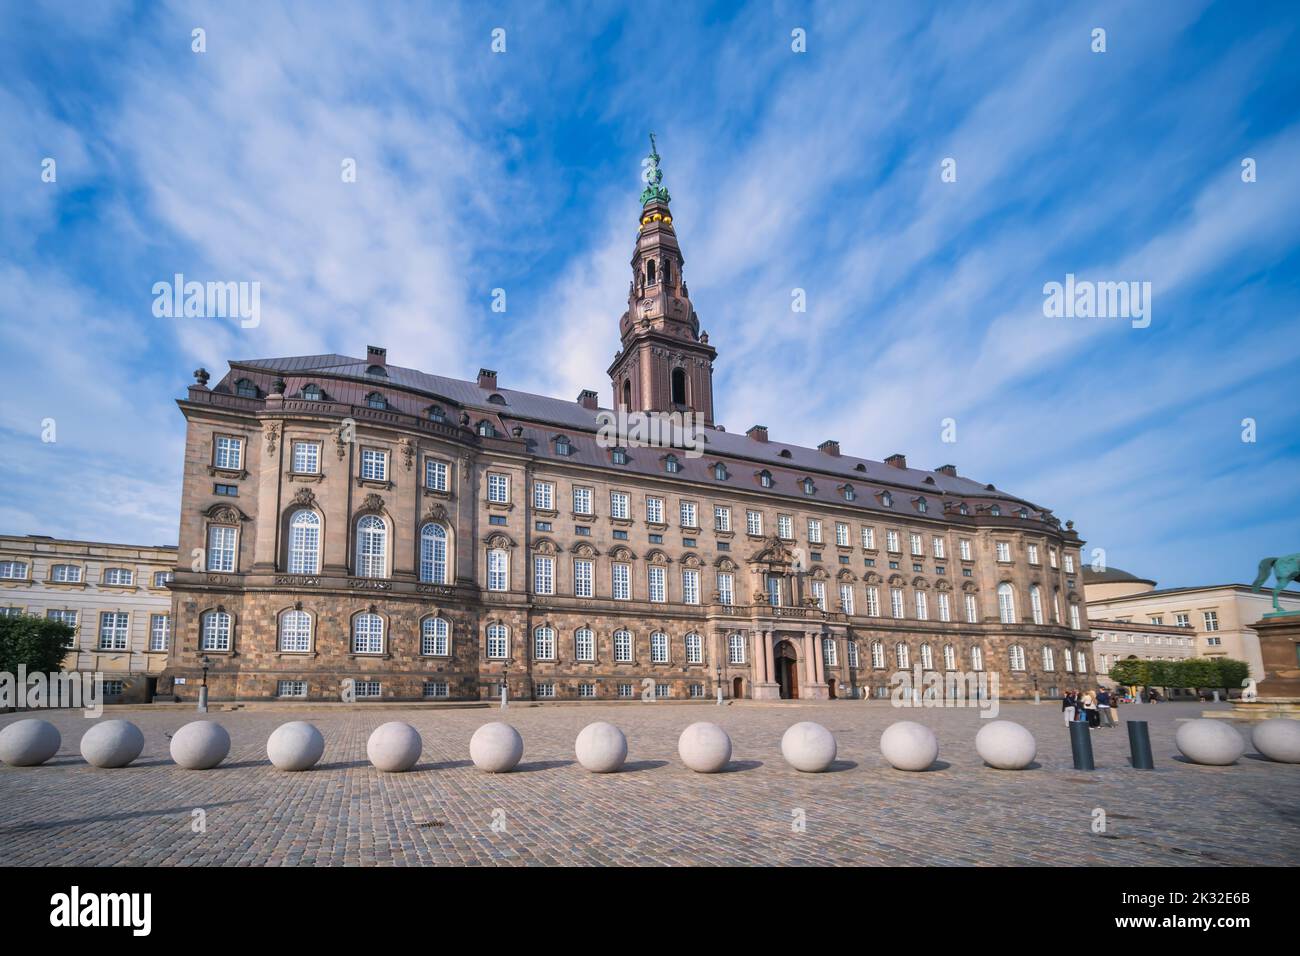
{"x": 758, "y": 660}
{"x": 819, "y": 657}
{"x": 769, "y": 642}
{"x": 810, "y": 665}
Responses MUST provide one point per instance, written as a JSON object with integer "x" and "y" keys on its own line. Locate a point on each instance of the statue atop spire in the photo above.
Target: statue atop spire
{"x": 653, "y": 177}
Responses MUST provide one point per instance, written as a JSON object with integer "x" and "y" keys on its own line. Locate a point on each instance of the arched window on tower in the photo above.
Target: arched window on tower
{"x": 627, "y": 394}
{"x": 650, "y": 272}
{"x": 679, "y": 386}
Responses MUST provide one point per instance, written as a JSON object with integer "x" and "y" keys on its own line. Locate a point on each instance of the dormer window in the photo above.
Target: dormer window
{"x": 672, "y": 465}
{"x": 377, "y": 370}
{"x": 962, "y": 509}
{"x": 784, "y": 453}
{"x": 562, "y": 446}
{"x": 887, "y": 500}
{"x": 486, "y": 429}
{"x": 765, "y": 478}
{"x": 496, "y": 399}
{"x": 245, "y": 389}
{"x": 436, "y": 414}
{"x": 619, "y": 456}
{"x": 1023, "y": 513}
{"x": 312, "y": 393}
{"x": 922, "y": 505}
{"x": 720, "y": 472}
{"x": 995, "y": 511}
{"x": 808, "y": 486}
{"x": 859, "y": 467}
{"x": 375, "y": 400}
{"x": 849, "y": 493}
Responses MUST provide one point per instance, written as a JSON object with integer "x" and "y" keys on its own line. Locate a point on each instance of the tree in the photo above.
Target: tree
{"x": 1130, "y": 672}
{"x": 37, "y": 643}
{"x": 1231, "y": 674}
{"x": 1199, "y": 672}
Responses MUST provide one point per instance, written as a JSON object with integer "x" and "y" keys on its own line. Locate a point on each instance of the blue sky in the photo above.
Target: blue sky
{"x": 818, "y": 171}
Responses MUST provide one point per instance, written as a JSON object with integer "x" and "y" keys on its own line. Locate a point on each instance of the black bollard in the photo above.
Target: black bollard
{"x": 1081, "y": 745}
{"x": 1139, "y": 745}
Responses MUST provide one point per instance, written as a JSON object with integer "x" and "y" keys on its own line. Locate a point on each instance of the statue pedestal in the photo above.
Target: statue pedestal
{"x": 767, "y": 690}
{"x": 1279, "y": 691}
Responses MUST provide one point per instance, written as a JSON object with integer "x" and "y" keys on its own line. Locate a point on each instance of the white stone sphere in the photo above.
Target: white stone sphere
{"x": 601, "y": 747}
{"x": 808, "y": 747}
{"x": 908, "y": 745}
{"x": 200, "y": 745}
{"x": 704, "y": 747}
{"x": 29, "y": 742}
{"x": 112, "y": 743}
{"x": 496, "y": 747}
{"x": 296, "y": 745}
{"x": 1278, "y": 738}
{"x": 1005, "y": 745}
{"x": 1209, "y": 741}
{"x": 394, "y": 747}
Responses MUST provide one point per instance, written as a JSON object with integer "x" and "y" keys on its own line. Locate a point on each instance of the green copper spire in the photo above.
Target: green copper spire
{"x": 653, "y": 177}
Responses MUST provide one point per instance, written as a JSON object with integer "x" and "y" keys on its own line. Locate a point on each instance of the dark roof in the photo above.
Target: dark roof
{"x": 345, "y": 379}
{"x": 1112, "y": 576}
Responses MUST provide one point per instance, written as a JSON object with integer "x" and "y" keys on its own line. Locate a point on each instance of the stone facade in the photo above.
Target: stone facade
{"x": 336, "y": 509}
{"x": 115, "y": 595}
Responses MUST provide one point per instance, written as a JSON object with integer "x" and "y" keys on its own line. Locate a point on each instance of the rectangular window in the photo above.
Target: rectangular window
{"x": 873, "y": 601}
{"x": 964, "y": 546}
{"x": 498, "y": 488}
{"x": 622, "y": 582}
{"x": 725, "y": 588}
{"x": 230, "y": 491}
{"x": 306, "y": 458}
{"x": 437, "y": 476}
{"x": 163, "y": 578}
{"x": 582, "y": 578}
{"x": 1074, "y": 617}
{"x": 658, "y": 588}
{"x": 586, "y": 690}
{"x": 922, "y": 607}
{"x": 367, "y": 688}
{"x": 497, "y": 641}
{"x": 841, "y": 534}
{"x": 543, "y": 575}
{"x": 694, "y": 649}
{"x": 830, "y": 656}
{"x": 654, "y": 510}
{"x": 67, "y": 573}
{"x": 113, "y": 630}
{"x": 122, "y": 577}
{"x": 937, "y": 547}
{"x": 498, "y": 577}
{"x": 1004, "y": 551}
{"x": 945, "y": 610}
{"x": 690, "y": 586}
{"x": 1031, "y": 553}
{"x": 221, "y": 549}
{"x": 623, "y": 651}
{"x": 63, "y": 617}
{"x": 846, "y": 598}
{"x": 160, "y": 628}
{"x": 624, "y": 690}
{"x": 869, "y": 538}
{"x": 784, "y": 527}
{"x": 697, "y": 690}
{"x": 1051, "y": 557}
{"x": 814, "y": 531}
{"x": 662, "y": 691}
{"x": 291, "y": 688}
{"x": 374, "y": 464}
{"x": 13, "y": 570}
{"x": 546, "y": 691}
{"x": 581, "y": 501}
{"x": 753, "y": 522}
{"x": 1183, "y": 620}
{"x": 853, "y": 654}
{"x": 584, "y": 644}
{"x": 972, "y": 612}
{"x": 896, "y": 602}
{"x": 688, "y": 515}
{"x": 721, "y": 518}
{"x": 918, "y": 548}
{"x": 1211, "y": 619}
{"x": 543, "y": 496}
{"x": 819, "y": 594}
{"x": 619, "y": 505}
{"x": 892, "y": 542}
{"x": 435, "y": 688}
{"x": 228, "y": 453}
{"x": 1069, "y": 564}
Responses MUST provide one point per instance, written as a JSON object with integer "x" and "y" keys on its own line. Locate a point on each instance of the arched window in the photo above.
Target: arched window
{"x": 977, "y": 658}
{"x": 1049, "y": 659}
{"x": 902, "y": 658}
{"x": 375, "y": 400}
{"x": 720, "y": 471}
{"x": 433, "y": 553}
{"x": 735, "y": 649}
{"x": 295, "y": 631}
{"x": 1081, "y": 662}
{"x": 659, "y": 647}
{"x": 623, "y": 646}
{"x": 372, "y": 547}
{"x": 922, "y": 505}
{"x": 694, "y": 649}
{"x": 377, "y": 371}
{"x": 877, "y": 654}
{"x": 584, "y": 644}
{"x": 498, "y": 642}
{"x": 649, "y": 272}
{"x": 498, "y": 568}
{"x": 544, "y": 643}
{"x": 436, "y": 414}
{"x": 671, "y": 464}
{"x": 304, "y": 542}
{"x": 949, "y": 657}
{"x": 995, "y": 511}
{"x": 245, "y": 389}
{"x": 963, "y": 509}
{"x": 1017, "y": 655}
{"x": 435, "y": 637}
{"x": 1006, "y": 603}
{"x": 312, "y": 393}
{"x": 849, "y": 493}
{"x": 679, "y": 386}
{"x": 927, "y": 658}
{"x": 215, "y": 631}
{"x": 887, "y": 500}
{"x": 562, "y": 446}
{"x": 627, "y": 394}
{"x": 368, "y": 634}
{"x": 765, "y": 479}
{"x": 1036, "y": 602}
{"x": 808, "y": 486}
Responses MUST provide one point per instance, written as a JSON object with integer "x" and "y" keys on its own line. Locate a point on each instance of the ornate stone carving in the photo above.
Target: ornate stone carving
{"x": 408, "y": 452}
{"x": 272, "y": 430}
{"x": 373, "y": 502}
{"x": 436, "y": 512}
{"x": 305, "y": 497}
{"x": 340, "y": 444}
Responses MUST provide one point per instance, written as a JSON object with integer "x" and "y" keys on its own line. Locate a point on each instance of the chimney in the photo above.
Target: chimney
{"x": 949, "y": 470}
{"x": 896, "y": 461}
{"x": 830, "y": 446}
{"x": 487, "y": 378}
{"x": 587, "y": 399}
{"x": 757, "y": 432}
{"x": 376, "y": 356}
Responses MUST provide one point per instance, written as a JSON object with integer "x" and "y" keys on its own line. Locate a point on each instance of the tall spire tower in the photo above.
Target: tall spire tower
{"x": 665, "y": 364}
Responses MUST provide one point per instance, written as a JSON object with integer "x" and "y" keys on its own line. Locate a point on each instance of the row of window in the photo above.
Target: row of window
{"x": 114, "y": 627}
{"x": 75, "y": 574}
{"x": 1169, "y": 640}
{"x": 367, "y": 689}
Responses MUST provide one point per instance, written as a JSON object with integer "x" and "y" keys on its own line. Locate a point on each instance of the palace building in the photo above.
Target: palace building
{"x": 351, "y": 523}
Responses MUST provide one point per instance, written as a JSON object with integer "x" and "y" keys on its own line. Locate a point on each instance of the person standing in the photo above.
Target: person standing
{"x": 1090, "y": 709}
{"x": 1114, "y": 709}
{"x": 1103, "y": 707}
{"x": 1067, "y": 706}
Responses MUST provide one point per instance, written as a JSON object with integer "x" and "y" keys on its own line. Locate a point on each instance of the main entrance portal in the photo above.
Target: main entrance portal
{"x": 786, "y": 662}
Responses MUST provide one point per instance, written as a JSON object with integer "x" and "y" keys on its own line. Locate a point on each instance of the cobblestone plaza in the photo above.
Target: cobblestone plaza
{"x": 656, "y": 812}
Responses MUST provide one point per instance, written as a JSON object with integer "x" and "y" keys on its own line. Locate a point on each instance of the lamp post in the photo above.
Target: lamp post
{"x": 505, "y": 686}
{"x": 718, "y": 680}
{"x": 1037, "y": 699}
{"x": 203, "y": 688}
